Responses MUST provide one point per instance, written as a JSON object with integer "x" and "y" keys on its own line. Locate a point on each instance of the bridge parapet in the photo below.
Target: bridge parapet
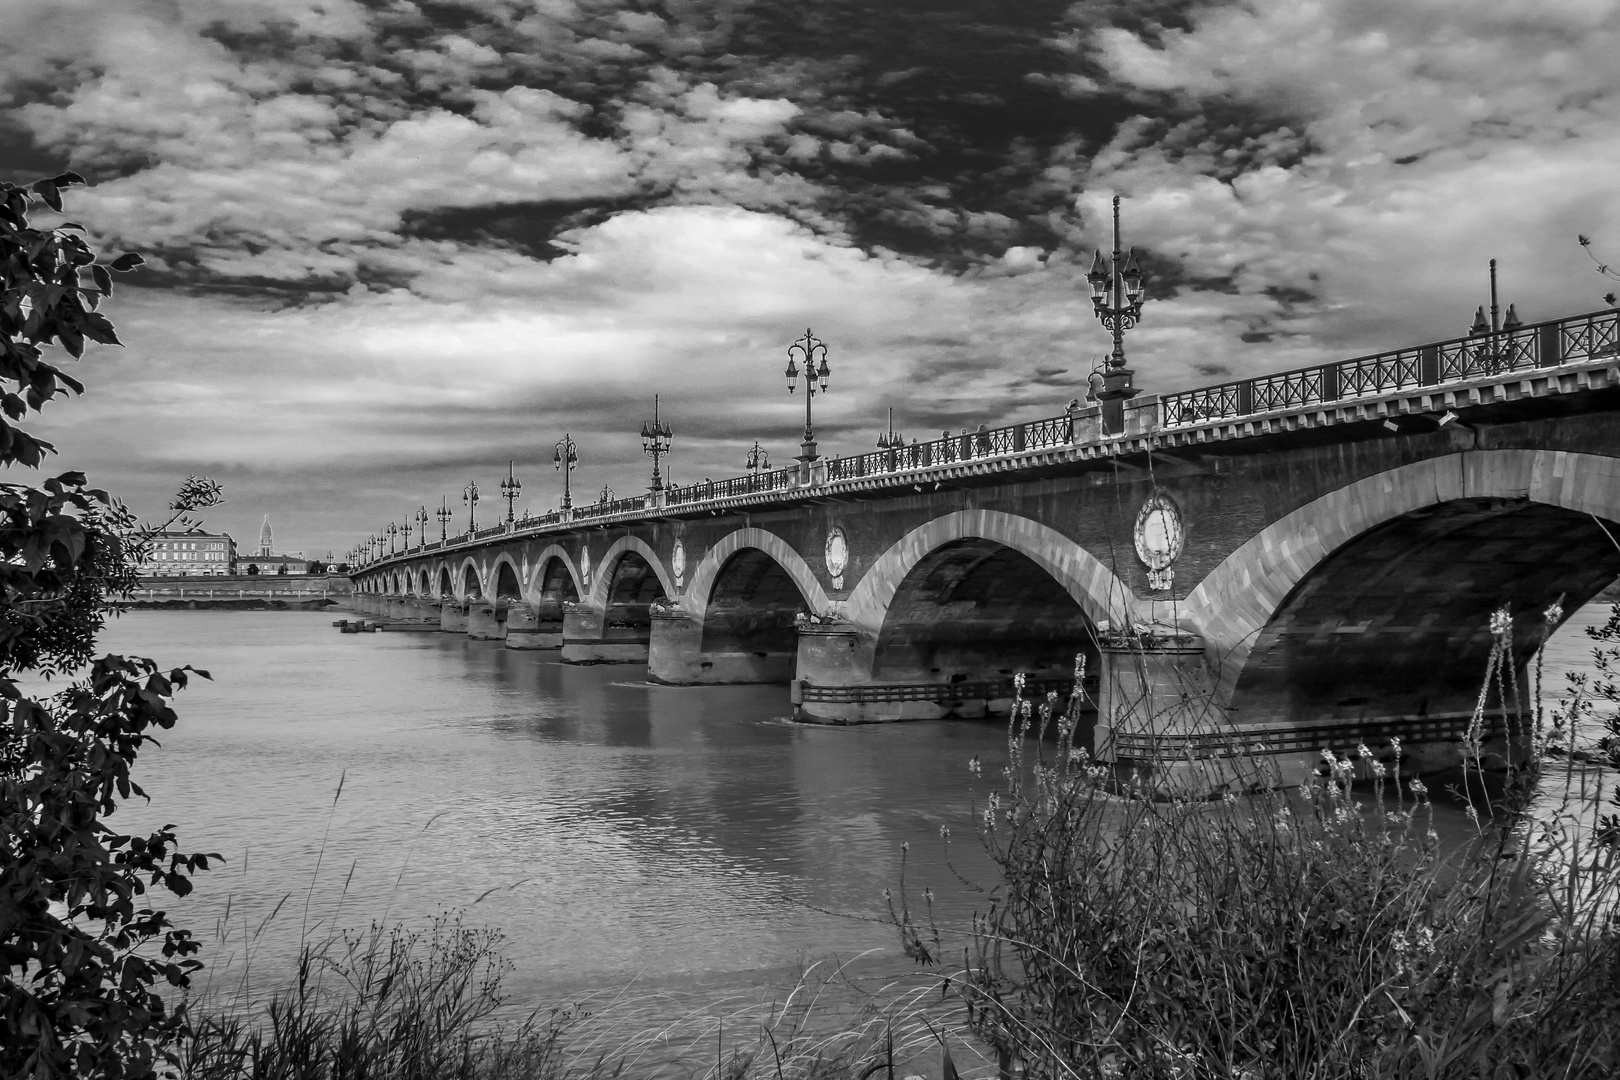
{"x": 1551, "y": 344}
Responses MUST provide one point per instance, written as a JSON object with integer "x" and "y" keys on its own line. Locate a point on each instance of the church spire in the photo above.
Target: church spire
{"x": 264, "y": 539}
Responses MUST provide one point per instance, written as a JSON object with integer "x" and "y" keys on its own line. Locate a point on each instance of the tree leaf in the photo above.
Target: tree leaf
{"x": 128, "y": 261}
{"x": 47, "y": 191}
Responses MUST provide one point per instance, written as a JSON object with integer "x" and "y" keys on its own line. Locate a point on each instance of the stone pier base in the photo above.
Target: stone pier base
{"x": 486, "y": 621}
{"x": 453, "y": 617}
{"x": 675, "y": 656}
{"x": 588, "y": 639}
{"x": 524, "y": 629}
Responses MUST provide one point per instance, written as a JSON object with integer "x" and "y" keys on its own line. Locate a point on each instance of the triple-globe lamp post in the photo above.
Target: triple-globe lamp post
{"x": 1116, "y": 299}
{"x": 891, "y": 440}
{"x": 812, "y": 351}
{"x": 511, "y": 488}
{"x": 565, "y": 458}
{"x": 469, "y": 495}
{"x": 422, "y": 518}
{"x": 655, "y": 439}
{"x": 444, "y": 514}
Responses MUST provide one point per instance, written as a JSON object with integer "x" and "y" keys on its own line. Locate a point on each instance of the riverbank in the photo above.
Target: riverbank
{"x": 236, "y": 603}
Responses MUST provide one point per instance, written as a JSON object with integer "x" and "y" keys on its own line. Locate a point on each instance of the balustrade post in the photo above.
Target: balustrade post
{"x": 1549, "y": 344}
{"x": 1429, "y": 365}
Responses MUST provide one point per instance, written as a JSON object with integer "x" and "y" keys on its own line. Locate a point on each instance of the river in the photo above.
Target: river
{"x": 614, "y": 830}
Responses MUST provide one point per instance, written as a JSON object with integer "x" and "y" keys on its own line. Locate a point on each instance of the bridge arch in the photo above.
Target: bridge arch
{"x": 471, "y": 581}
{"x": 699, "y": 593}
{"x": 505, "y": 577}
{"x": 1101, "y": 595}
{"x": 422, "y": 584}
{"x": 1388, "y": 582}
{"x": 977, "y": 595}
{"x": 553, "y": 573}
{"x": 608, "y": 568}
{"x": 746, "y": 593}
{"x": 447, "y": 585}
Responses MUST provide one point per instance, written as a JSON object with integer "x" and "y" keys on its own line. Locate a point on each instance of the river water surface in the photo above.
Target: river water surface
{"x": 614, "y": 830}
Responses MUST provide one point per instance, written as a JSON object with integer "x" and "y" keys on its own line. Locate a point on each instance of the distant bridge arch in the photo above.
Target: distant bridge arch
{"x": 472, "y": 584}
{"x": 506, "y": 580}
{"x": 544, "y": 578}
{"x": 699, "y": 591}
{"x": 607, "y": 568}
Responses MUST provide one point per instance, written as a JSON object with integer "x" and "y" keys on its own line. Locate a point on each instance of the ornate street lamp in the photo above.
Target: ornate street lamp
{"x": 810, "y": 349}
{"x": 1116, "y": 300}
{"x": 1491, "y": 354}
{"x": 422, "y": 519}
{"x": 511, "y": 488}
{"x": 406, "y": 529}
{"x": 655, "y": 437}
{"x": 469, "y": 495}
{"x": 443, "y": 514}
{"x": 891, "y": 440}
{"x": 566, "y": 457}
{"x": 758, "y": 461}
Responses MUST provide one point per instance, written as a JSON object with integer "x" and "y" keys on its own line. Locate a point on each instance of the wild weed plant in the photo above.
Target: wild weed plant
{"x": 1318, "y": 932}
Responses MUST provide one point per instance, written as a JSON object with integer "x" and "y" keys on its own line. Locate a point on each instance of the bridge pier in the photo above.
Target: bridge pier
{"x": 675, "y": 655}
{"x": 523, "y": 629}
{"x": 453, "y": 616}
{"x": 486, "y": 621}
{"x": 592, "y": 636}
{"x": 1158, "y": 715}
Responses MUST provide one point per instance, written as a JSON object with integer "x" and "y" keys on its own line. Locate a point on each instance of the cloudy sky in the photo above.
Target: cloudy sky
{"x": 394, "y": 243}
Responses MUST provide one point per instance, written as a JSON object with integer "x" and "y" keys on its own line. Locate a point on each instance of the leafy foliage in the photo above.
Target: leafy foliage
{"x": 79, "y": 995}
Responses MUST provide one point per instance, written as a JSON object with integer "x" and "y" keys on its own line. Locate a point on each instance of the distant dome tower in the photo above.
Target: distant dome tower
{"x": 264, "y": 539}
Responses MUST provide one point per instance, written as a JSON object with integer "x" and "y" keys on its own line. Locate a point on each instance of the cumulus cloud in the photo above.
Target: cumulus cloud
{"x": 392, "y": 248}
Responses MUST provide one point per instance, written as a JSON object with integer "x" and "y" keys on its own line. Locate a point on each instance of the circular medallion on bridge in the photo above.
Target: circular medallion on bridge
{"x": 1159, "y": 534}
{"x": 677, "y": 562}
{"x": 837, "y": 554}
{"x": 584, "y": 563}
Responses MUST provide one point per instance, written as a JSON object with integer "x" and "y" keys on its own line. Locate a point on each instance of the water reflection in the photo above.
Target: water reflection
{"x": 611, "y": 827}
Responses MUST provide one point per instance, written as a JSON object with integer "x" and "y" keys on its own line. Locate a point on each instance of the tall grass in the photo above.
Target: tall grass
{"x": 427, "y": 1005}
{"x": 1322, "y": 932}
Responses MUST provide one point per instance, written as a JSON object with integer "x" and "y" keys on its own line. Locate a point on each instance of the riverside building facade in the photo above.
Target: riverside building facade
{"x": 190, "y": 554}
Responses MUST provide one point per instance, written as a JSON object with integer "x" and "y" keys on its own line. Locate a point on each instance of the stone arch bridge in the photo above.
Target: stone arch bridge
{"x": 1296, "y": 561}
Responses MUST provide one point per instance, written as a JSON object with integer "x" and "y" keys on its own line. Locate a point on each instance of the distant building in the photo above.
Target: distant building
{"x": 189, "y": 554}
{"x": 273, "y": 564}
{"x": 267, "y": 561}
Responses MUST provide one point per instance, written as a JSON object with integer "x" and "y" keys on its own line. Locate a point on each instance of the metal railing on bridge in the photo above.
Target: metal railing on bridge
{"x": 736, "y": 486}
{"x": 1527, "y": 348}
